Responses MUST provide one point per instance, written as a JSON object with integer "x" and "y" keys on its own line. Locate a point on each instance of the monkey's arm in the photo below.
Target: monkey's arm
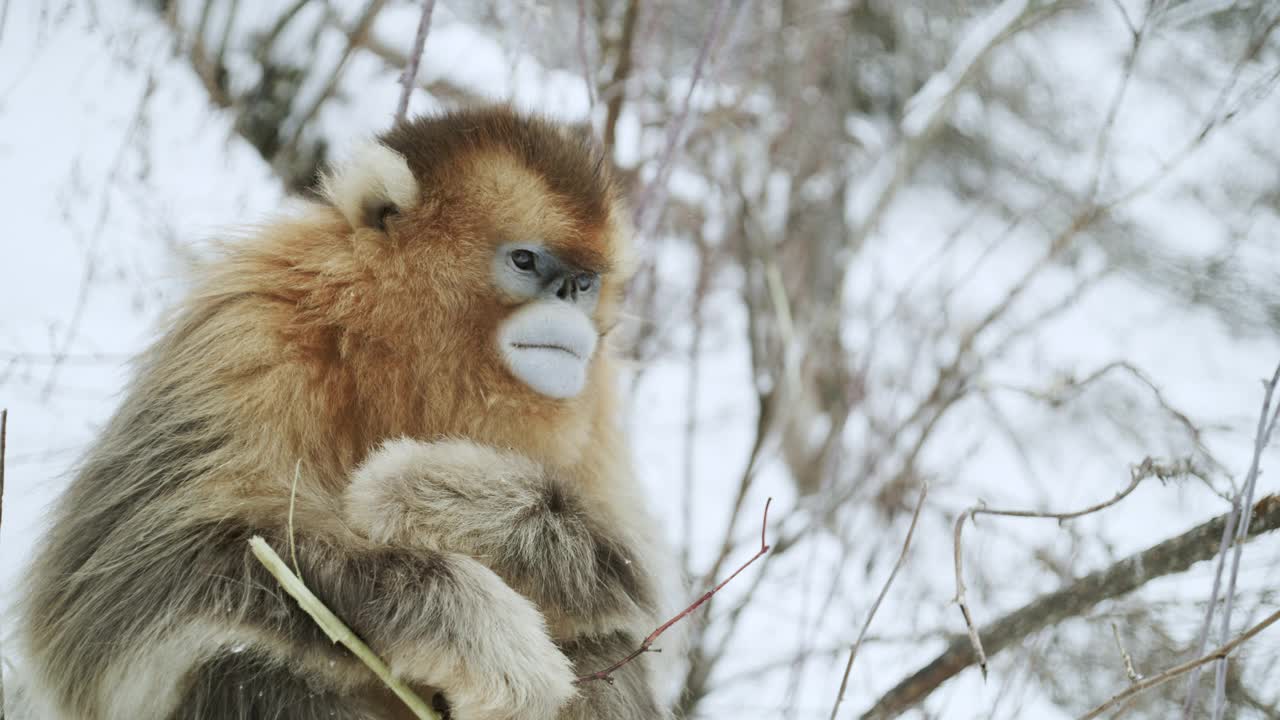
{"x": 502, "y": 509}
{"x": 440, "y": 619}
{"x": 170, "y": 608}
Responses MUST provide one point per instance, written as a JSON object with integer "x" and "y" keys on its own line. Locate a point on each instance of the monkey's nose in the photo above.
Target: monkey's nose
{"x": 568, "y": 289}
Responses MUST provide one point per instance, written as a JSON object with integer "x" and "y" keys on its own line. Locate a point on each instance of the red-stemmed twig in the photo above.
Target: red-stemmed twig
{"x": 646, "y": 646}
{"x": 410, "y": 75}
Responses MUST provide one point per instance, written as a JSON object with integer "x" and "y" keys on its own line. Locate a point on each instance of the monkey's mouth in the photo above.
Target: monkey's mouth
{"x": 545, "y": 346}
{"x": 548, "y": 346}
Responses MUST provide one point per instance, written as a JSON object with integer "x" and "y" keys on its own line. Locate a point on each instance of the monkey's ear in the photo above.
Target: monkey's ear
{"x": 371, "y": 184}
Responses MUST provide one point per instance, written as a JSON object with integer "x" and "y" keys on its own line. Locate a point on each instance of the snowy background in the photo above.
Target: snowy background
{"x": 1006, "y": 249}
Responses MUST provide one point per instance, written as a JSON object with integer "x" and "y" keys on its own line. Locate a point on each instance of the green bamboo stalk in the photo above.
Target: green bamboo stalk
{"x": 337, "y": 631}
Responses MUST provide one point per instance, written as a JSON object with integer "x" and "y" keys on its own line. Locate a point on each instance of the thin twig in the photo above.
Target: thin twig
{"x": 1220, "y": 653}
{"x": 1124, "y": 576}
{"x": 587, "y": 75}
{"x": 692, "y": 383}
{"x": 617, "y": 90}
{"x": 1148, "y": 468}
{"x": 410, "y": 75}
{"x": 394, "y": 57}
{"x": 653, "y": 197}
{"x": 1228, "y": 533}
{"x": 1108, "y": 124}
{"x": 219, "y": 60}
{"x": 1129, "y": 670}
{"x": 607, "y": 673}
{"x": 884, "y": 590}
{"x": 1244, "y": 503}
{"x": 337, "y": 631}
{"x": 4, "y": 431}
{"x": 354, "y": 40}
{"x": 268, "y": 41}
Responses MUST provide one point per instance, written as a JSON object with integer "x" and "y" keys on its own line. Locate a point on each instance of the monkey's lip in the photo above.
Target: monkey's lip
{"x": 545, "y": 346}
{"x": 548, "y": 346}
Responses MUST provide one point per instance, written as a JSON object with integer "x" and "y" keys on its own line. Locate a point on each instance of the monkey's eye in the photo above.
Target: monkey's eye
{"x": 585, "y": 282}
{"x": 524, "y": 260}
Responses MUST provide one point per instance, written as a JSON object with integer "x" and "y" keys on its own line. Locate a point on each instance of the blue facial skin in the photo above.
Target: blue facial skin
{"x": 529, "y": 271}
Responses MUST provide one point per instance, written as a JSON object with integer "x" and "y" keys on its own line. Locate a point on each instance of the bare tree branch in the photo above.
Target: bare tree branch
{"x": 649, "y": 205}
{"x": 1129, "y": 670}
{"x": 1220, "y": 654}
{"x": 621, "y": 72}
{"x": 354, "y": 39}
{"x": 268, "y": 40}
{"x": 1171, "y": 556}
{"x": 410, "y": 76}
{"x": 1148, "y": 468}
{"x": 884, "y": 590}
{"x": 4, "y": 432}
{"x": 929, "y": 107}
{"x": 1242, "y": 501}
{"x": 588, "y": 76}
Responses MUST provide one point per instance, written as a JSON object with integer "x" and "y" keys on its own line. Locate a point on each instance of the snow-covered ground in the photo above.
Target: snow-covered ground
{"x": 114, "y": 170}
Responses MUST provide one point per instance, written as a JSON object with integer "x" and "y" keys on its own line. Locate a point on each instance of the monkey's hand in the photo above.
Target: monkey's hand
{"x": 496, "y": 660}
{"x": 502, "y": 509}
{"x": 441, "y": 620}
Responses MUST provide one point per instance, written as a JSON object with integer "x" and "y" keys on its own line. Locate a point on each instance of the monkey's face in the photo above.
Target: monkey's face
{"x": 499, "y": 254}
{"x": 549, "y": 340}
{"x": 550, "y": 271}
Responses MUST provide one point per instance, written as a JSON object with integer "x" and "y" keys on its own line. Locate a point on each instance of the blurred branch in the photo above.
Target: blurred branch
{"x": 621, "y": 73}
{"x": 1103, "y": 145}
{"x": 1171, "y": 556}
{"x": 884, "y": 590}
{"x": 927, "y": 109}
{"x": 1242, "y": 501}
{"x": 1220, "y": 654}
{"x": 1129, "y": 670}
{"x": 395, "y": 58}
{"x": 1219, "y": 115}
{"x": 4, "y": 432}
{"x": 648, "y": 207}
{"x": 1070, "y": 387}
{"x": 354, "y": 39}
{"x": 219, "y": 60}
{"x": 268, "y": 41}
{"x": 137, "y": 124}
{"x": 588, "y": 77}
{"x": 410, "y": 75}
{"x": 1148, "y": 468}
{"x": 693, "y": 382}
{"x": 199, "y": 58}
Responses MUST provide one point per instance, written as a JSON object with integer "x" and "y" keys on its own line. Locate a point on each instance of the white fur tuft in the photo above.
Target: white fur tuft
{"x": 372, "y": 176}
